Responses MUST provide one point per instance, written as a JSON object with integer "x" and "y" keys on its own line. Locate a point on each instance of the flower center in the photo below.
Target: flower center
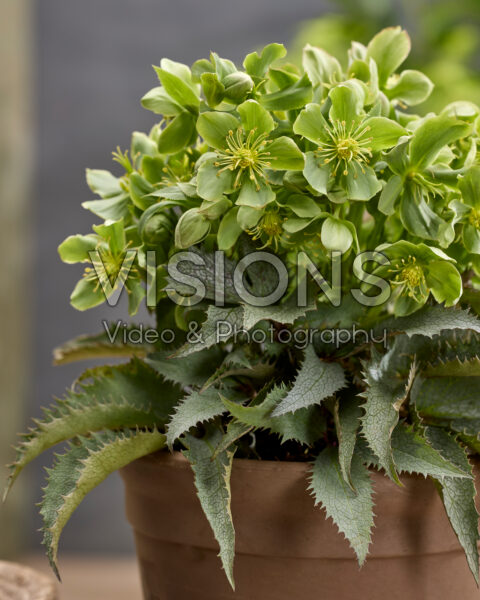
{"x": 245, "y": 154}
{"x": 474, "y": 218}
{"x": 411, "y": 276}
{"x": 109, "y": 268}
{"x": 269, "y": 225}
{"x": 347, "y": 147}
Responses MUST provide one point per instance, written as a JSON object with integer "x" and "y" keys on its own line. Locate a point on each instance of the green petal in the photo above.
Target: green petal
{"x": 180, "y": 91}
{"x": 255, "y": 198}
{"x": 285, "y": 155}
{"x": 420, "y": 220}
{"x": 257, "y": 66}
{"x": 113, "y": 233}
{"x": 411, "y": 88}
{"x": 320, "y": 66}
{"x": 213, "y": 89}
{"x": 214, "y": 209}
{"x": 405, "y": 305}
{"x": 87, "y": 294}
{"x": 346, "y": 103}
{"x": 75, "y": 248}
{"x": 215, "y": 126}
{"x": 177, "y": 134}
{"x": 389, "y": 49}
{"x": 470, "y": 187}
{"x": 311, "y": 124}
{"x": 290, "y": 98}
{"x": 445, "y": 282}
{"x": 294, "y": 225}
{"x": 384, "y": 133}
{"x": 303, "y": 206}
{"x": 471, "y": 238}
{"x": 103, "y": 183}
{"x": 211, "y": 183}
{"x": 255, "y": 117}
{"x": 390, "y": 194}
{"x": 361, "y": 185}
{"x": 336, "y": 235}
{"x": 229, "y": 230}
{"x": 432, "y": 135}
{"x": 316, "y": 173}
{"x": 248, "y": 217}
{"x": 159, "y": 102}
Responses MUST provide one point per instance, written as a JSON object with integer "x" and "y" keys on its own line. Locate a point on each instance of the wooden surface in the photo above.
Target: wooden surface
{"x": 18, "y": 582}
{"x": 93, "y": 577}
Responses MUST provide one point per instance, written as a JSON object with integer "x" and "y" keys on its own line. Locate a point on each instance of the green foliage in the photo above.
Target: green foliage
{"x": 384, "y": 397}
{"x": 316, "y": 380}
{"x": 85, "y": 464}
{"x": 312, "y": 166}
{"x": 458, "y": 495}
{"x": 351, "y": 511}
{"x": 305, "y": 427}
{"x": 197, "y": 407}
{"x": 212, "y": 480}
{"x": 130, "y": 395}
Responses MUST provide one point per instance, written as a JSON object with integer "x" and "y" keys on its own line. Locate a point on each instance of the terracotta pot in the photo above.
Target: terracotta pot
{"x": 20, "y": 583}
{"x": 285, "y": 547}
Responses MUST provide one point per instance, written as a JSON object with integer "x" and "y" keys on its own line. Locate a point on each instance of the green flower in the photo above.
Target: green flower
{"x": 470, "y": 209}
{"x": 422, "y": 177}
{"x": 269, "y": 229}
{"x": 111, "y": 265}
{"x": 243, "y": 155}
{"x": 346, "y": 144}
{"x": 415, "y": 272}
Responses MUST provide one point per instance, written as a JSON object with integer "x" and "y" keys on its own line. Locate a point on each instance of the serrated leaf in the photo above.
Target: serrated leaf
{"x": 431, "y": 321}
{"x": 212, "y": 480}
{"x": 286, "y": 313}
{"x": 305, "y": 427}
{"x": 100, "y": 345}
{"x": 197, "y": 407}
{"x": 129, "y": 395}
{"x": 458, "y": 495}
{"x": 235, "y": 431}
{"x": 191, "y": 370}
{"x": 352, "y": 512}
{"x": 82, "y": 468}
{"x": 347, "y": 414}
{"x": 220, "y": 325}
{"x": 384, "y": 396}
{"x": 448, "y": 399}
{"x": 454, "y": 368}
{"x": 413, "y": 454}
{"x": 315, "y": 381}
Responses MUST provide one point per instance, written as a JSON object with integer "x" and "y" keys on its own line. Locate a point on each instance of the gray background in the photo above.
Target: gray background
{"x": 93, "y": 64}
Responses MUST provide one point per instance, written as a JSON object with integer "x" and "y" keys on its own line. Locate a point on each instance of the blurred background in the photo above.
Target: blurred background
{"x": 72, "y": 74}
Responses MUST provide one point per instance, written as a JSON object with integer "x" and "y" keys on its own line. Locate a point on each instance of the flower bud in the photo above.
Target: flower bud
{"x": 237, "y": 86}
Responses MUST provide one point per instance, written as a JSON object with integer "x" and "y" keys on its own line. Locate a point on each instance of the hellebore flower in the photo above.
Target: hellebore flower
{"x": 416, "y": 270}
{"x": 346, "y": 143}
{"x": 243, "y": 155}
{"x": 468, "y": 211}
{"x": 111, "y": 266}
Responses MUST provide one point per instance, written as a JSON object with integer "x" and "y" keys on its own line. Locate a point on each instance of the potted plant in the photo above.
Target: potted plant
{"x": 310, "y": 248}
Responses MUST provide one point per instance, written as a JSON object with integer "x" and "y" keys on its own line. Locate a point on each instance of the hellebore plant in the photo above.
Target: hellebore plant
{"x": 323, "y": 183}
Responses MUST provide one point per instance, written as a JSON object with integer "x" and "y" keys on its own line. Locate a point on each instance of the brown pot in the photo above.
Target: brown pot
{"x": 21, "y": 583}
{"x": 285, "y": 547}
